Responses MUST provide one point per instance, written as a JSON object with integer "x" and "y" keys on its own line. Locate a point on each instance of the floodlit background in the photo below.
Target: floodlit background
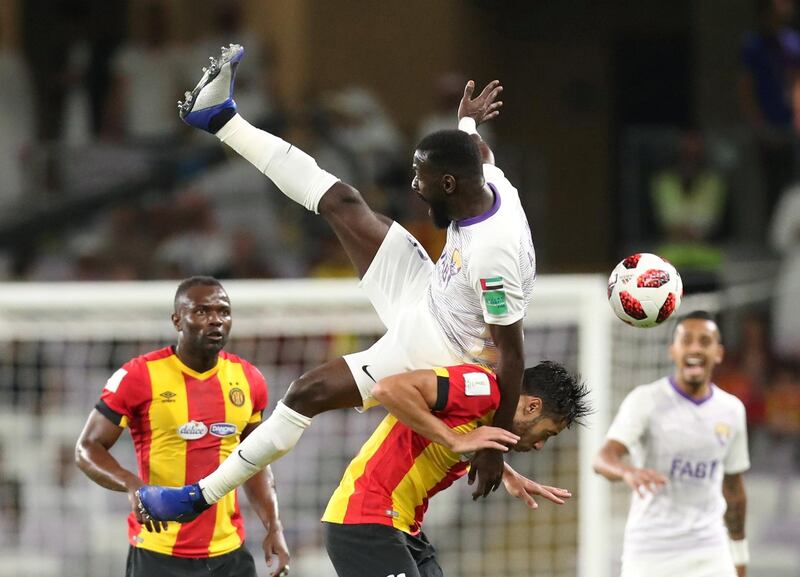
{"x": 669, "y": 127}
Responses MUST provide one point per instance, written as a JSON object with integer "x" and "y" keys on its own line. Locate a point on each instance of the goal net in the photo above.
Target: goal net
{"x": 61, "y": 342}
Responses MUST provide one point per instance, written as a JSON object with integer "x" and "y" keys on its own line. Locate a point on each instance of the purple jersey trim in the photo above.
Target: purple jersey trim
{"x": 485, "y": 215}
{"x": 687, "y": 397}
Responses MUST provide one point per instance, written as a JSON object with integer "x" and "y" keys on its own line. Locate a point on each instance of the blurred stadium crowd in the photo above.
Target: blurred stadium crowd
{"x": 97, "y": 151}
{"x": 101, "y": 181}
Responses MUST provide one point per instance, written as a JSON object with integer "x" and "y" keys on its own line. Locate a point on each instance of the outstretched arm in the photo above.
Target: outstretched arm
{"x": 487, "y": 466}
{"x": 735, "y": 497}
{"x": 410, "y": 398}
{"x": 610, "y": 465}
{"x": 524, "y": 489}
{"x": 475, "y": 111}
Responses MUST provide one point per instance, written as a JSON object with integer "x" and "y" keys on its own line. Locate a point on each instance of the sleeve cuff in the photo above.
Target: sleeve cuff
{"x": 442, "y": 392}
{"x": 503, "y": 321}
{"x": 620, "y": 440}
{"x": 110, "y": 414}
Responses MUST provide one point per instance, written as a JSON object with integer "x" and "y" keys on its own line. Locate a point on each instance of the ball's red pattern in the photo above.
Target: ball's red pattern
{"x": 644, "y": 290}
{"x": 631, "y": 306}
{"x": 666, "y": 309}
{"x": 632, "y": 261}
{"x": 652, "y": 278}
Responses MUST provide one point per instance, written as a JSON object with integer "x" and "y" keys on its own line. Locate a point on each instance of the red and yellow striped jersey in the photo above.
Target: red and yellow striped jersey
{"x": 184, "y": 424}
{"x": 397, "y": 471}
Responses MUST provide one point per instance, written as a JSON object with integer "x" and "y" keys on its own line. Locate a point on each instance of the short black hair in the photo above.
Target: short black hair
{"x": 699, "y": 315}
{"x": 453, "y": 152}
{"x": 564, "y": 395}
{"x": 188, "y": 283}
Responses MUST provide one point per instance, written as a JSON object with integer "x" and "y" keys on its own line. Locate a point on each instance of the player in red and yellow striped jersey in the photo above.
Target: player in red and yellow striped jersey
{"x": 186, "y": 406}
{"x": 374, "y": 518}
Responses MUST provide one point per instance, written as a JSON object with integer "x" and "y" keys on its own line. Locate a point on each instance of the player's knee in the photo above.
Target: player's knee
{"x": 308, "y": 395}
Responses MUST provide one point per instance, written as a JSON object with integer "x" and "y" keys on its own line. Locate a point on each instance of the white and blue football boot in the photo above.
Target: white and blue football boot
{"x": 210, "y": 105}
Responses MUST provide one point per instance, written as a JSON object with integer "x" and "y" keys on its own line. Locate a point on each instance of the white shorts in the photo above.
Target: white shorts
{"x": 716, "y": 562}
{"x": 396, "y": 284}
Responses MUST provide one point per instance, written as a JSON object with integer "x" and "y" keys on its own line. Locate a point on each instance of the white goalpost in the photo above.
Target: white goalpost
{"x": 61, "y": 341}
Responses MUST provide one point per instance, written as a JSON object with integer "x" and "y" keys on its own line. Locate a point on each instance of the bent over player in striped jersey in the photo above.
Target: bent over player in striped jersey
{"x": 186, "y": 407}
{"x": 466, "y": 307}
{"x": 373, "y": 522}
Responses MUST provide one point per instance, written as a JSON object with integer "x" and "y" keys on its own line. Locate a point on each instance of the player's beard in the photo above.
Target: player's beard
{"x": 695, "y": 381}
{"x": 439, "y": 214}
{"x": 522, "y": 428}
{"x": 695, "y": 376}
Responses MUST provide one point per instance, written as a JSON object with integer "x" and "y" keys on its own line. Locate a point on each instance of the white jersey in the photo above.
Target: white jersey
{"x": 485, "y": 274}
{"x": 694, "y": 444}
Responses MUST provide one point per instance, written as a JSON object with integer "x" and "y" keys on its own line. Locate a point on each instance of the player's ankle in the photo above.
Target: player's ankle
{"x": 219, "y": 120}
{"x": 202, "y": 503}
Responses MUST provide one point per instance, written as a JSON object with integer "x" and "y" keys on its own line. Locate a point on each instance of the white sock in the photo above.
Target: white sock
{"x": 292, "y": 170}
{"x": 268, "y": 442}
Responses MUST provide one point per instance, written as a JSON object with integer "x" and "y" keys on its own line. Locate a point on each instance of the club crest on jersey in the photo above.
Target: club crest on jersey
{"x": 236, "y": 395}
{"x": 450, "y": 267}
{"x": 494, "y": 295}
{"x": 192, "y": 430}
{"x": 722, "y": 432}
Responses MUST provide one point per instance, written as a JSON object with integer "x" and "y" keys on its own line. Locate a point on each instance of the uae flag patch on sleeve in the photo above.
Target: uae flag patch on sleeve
{"x": 494, "y": 296}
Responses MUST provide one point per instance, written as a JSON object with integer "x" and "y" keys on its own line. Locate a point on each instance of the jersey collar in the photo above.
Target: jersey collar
{"x": 698, "y": 402}
{"x": 481, "y": 217}
{"x": 191, "y": 372}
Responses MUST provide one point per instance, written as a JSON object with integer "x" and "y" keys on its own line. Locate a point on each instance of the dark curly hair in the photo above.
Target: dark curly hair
{"x": 564, "y": 395}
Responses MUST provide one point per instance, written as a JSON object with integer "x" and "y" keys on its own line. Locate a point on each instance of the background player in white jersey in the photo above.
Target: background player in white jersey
{"x": 688, "y": 444}
{"x": 466, "y": 308}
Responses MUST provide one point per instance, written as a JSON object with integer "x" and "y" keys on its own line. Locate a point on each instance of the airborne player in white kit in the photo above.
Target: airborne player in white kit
{"x": 688, "y": 443}
{"x": 466, "y": 308}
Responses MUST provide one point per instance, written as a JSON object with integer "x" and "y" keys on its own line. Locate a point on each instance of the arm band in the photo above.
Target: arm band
{"x": 468, "y": 125}
{"x": 740, "y": 552}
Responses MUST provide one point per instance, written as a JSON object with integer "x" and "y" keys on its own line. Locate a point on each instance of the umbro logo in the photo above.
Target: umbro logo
{"x": 168, "y": 397}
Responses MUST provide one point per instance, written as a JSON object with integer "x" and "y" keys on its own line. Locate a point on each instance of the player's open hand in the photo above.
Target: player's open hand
{"x": 276, "y": 552}
{"x": 524, "y": 489}
{"x": 141, "y": 514}
{"x": 487, "y": 466}
{"x": 483, "y": 438}
{"x": 483, "y": 107}
{"x": 644, "y": 481}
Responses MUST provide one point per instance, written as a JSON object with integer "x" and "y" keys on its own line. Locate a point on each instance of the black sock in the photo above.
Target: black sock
{"x": 221, "y": 119}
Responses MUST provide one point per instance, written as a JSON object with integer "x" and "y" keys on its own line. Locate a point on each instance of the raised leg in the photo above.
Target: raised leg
{"x": 210, "y": 107}
{"x": 328, "y": 387}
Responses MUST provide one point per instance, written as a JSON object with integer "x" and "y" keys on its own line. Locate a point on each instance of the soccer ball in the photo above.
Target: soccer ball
{"x": 644, "y": 290}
